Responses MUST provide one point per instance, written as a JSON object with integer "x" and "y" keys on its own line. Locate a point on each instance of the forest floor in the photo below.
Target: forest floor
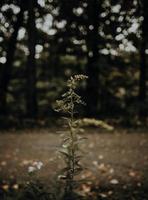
{"x": 116, "y": 162}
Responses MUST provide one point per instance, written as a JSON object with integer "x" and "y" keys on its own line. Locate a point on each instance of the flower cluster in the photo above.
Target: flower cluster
{"x": 73, "y": 81}
{"x": 35, "y": 166}
{"x": 66, "y": 104}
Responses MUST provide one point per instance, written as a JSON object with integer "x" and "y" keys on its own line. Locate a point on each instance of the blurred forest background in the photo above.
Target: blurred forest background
{"x": 44, "y": 42}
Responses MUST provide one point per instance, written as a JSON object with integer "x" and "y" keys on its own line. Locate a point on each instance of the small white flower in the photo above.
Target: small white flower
{"x": 31, "y": 169}
{"x": 39, "y": 165}
{"x": 35, "y": 166}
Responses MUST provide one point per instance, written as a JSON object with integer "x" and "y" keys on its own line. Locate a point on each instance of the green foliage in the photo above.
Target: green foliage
{"x": 70, "y": 148}
{"x": 35, "y": 190}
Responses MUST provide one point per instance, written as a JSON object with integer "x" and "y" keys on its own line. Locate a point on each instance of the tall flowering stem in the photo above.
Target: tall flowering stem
{"x": 70, "y": 148}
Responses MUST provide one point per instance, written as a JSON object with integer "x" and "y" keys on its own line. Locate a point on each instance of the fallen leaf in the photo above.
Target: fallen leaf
{"x": 114, "y": 181}
{"x": 95, "y": 163}
{"x": 15, "y": 186}
{"x": 3, "y": 163}
{"x": 102, "y": 168}
{"x": 86, "y": 188}
{"x": 103, "y": 195}
{"x": 139, "y": 184}
{"x": 110, "y": 192}
{"x": 91, "y": 145}
{"x": 100, "y": 157}
{"x": 111, "y": 171}
{"x": 5, "y": 187}
{"x": 132, "y": 174}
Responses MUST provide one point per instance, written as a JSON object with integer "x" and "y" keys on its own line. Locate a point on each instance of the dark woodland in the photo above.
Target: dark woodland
{"x": 45, "y": 42}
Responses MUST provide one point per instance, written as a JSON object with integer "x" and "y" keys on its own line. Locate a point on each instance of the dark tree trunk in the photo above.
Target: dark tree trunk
{"x": 6, "y": 72}
{"x": 92, "y": 68}
{"x": 31, "y": 96}
{"x": 143, "y": 58}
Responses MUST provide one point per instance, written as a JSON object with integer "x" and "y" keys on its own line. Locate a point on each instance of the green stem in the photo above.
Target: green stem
{"x": 72, "y": 137}
{"x": 72, "y": 153}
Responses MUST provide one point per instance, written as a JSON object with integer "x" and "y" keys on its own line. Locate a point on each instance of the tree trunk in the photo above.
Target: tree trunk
{"x": 6, "y": 72}
{"x": 31, "y": 96}
{"x": 92, "y": 68}
{"x": 143, "y": 67}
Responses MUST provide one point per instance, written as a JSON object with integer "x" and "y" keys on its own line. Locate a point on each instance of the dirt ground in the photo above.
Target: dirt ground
{"x": 115, "y": 161}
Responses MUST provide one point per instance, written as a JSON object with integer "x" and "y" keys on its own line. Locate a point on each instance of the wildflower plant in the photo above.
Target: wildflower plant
{"x": 70, "y": 147}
